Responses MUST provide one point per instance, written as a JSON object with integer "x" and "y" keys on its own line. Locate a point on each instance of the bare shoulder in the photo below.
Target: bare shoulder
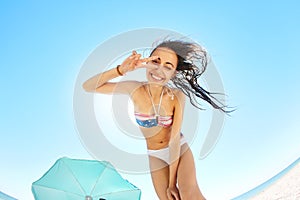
{"x": 179, "y": 100}
{"x": 180, "y": 96}
{"x": 136, "y": 88}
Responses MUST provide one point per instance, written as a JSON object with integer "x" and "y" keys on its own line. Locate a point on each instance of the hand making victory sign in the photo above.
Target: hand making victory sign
{"x": 134, "y": 61}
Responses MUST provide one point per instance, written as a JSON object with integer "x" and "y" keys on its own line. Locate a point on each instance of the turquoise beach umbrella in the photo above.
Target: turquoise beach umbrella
{"x": 6, "y": 197}
{"x": 74, "y": 179}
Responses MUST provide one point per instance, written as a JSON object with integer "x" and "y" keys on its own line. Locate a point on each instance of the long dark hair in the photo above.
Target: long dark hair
{"x": 192, "y": 62}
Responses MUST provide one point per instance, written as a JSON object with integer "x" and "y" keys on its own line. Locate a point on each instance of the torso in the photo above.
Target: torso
{"x": 157, "y": 137}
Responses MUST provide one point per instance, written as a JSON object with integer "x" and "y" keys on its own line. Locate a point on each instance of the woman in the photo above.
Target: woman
{"x": 159, "y": 110}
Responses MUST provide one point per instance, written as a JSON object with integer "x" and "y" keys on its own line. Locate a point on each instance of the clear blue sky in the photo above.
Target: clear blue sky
{"x": 255, "y": 46}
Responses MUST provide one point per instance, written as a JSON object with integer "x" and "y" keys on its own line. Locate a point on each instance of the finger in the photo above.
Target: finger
{"x": 176, "y": 195}
{"x": 149, "y": 59}
{"x": 133, "y": 55}
{"x": 144, "y": 62}
{"x": 137, "y": 57}
{"x": 169, "y": 195}
{"x": 146, "y": 65}
{"x": 133, "y": 58}
{"x": 153, "y": 57}
{"x": 173, "y": 196}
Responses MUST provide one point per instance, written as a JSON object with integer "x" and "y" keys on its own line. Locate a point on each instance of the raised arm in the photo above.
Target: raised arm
{"x": 101, "y": 82}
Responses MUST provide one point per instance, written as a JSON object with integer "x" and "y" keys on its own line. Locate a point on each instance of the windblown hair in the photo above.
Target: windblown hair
{"x": 192, "y": 62}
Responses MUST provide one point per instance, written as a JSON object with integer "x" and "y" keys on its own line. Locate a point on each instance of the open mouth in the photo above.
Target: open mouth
{"x": 156, "y": 78}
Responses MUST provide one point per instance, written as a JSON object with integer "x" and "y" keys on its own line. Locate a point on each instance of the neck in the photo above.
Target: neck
{"x": 155, "y": 89}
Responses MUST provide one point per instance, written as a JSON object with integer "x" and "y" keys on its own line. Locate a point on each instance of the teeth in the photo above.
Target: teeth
{"x": 156, "y": 77}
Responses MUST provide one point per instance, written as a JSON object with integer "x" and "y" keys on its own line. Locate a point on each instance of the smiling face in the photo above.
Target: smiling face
{"x": 166, "y": 66}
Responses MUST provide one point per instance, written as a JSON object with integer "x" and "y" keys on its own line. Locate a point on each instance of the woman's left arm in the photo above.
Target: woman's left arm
{"x": 174, "y": 143}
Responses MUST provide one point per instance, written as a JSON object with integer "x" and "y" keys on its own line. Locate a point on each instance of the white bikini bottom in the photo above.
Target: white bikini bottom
{"x": 164, "y": 153}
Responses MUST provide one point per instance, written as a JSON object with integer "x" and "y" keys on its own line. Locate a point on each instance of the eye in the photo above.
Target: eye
{"x": 154, "y": 61}
{"x": 168, "y": 67}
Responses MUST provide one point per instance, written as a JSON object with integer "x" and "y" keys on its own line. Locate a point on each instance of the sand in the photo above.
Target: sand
{"x": 285, "y": 188}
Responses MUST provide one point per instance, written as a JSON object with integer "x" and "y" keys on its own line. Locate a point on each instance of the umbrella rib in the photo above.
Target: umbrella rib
{"x": 98, "y": 179}
{"x": 82, "y": 190}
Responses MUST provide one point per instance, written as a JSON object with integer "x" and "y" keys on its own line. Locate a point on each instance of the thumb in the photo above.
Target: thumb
{"x": 147, "y": 65}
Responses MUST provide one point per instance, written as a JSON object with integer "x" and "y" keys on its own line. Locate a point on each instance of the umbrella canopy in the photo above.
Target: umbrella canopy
{"x": 83, "y": 180}
{"x": 5, "y": 197}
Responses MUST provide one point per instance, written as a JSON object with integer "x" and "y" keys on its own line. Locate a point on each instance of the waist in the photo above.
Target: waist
{"x": 156, "y": 143}
{"x": 165, "y": 145}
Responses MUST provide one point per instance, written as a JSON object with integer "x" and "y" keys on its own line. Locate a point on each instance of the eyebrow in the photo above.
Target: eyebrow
{"x": 166, "y": 62}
